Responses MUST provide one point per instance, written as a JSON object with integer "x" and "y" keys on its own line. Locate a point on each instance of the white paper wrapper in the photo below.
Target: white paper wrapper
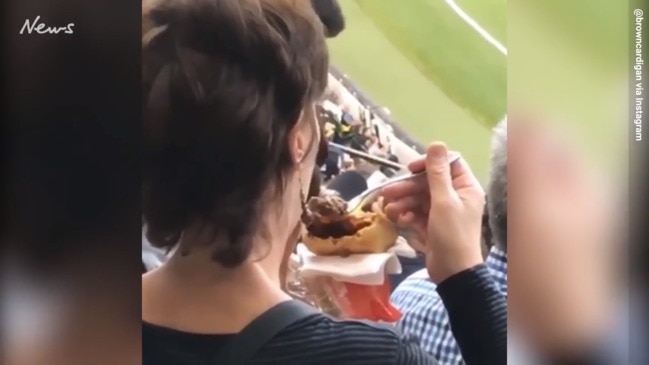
{"x": 367, "y": 269}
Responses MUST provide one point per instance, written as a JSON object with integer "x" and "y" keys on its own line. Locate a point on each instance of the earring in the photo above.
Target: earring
{"x": 299, "y": 181}
{"x": 302, "y": 193}
{"x": 305, "y": 217}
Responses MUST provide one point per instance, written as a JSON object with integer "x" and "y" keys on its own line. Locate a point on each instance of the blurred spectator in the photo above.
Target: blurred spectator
{"x": 363, "y": 167}
{"x": 424, "y": 314}
{"x": 349, "y": 184}
{"x": 560, "y": 222}
{"x": 358, "y": 139}
{"x": 348, "y": 163}
{"x": 344, "y": 133}
{"x": 323, "y": 147}
{"x": 374, "y": 147}
{"x": 347, "y": 119}
{"x": 383, "y": 150}
{"x": 388, "y": 171}
{"x": 329, "y": 130}
{"x": 332, "y": 164}
{"x": 332, "y": 95}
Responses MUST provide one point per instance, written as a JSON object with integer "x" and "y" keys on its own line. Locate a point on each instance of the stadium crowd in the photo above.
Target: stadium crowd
{"x": 231, "y": 224}
{"x": 361, "y": 133}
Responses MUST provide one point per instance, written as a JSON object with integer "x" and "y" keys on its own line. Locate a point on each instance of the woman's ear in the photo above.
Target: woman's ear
{"x": 302, "y": 137}
{"x": 297, "y": 141}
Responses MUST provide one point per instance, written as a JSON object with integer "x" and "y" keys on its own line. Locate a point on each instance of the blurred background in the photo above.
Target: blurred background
{"x": 568, "y": 71}
{"x": 569, "y": 61}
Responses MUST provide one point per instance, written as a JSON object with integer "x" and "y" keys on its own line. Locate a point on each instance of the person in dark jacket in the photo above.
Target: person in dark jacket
{"x": 331, "y": 15}
{"x": 227, "y": 163}
{"x": 332, "y": 165}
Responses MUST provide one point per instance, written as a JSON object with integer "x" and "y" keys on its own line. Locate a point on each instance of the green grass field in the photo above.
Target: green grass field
{"x": 438, "y": 77}
{"x": 580, "y": 76}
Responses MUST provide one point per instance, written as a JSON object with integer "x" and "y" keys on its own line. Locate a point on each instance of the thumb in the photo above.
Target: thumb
{"x": 438, "y": 171}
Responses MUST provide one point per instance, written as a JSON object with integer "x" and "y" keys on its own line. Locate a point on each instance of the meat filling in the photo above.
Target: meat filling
{"x": 326, "y": 217}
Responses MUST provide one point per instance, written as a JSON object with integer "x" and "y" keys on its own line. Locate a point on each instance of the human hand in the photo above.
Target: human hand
{"x": 445, "y": 206}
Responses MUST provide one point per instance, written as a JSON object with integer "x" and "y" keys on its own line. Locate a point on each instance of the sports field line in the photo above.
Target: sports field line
{"x": 483, "y": 33}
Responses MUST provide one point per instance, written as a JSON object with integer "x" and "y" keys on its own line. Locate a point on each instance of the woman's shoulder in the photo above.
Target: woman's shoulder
{"x": 326, "y": 340}
{"x": 326, "y": 325}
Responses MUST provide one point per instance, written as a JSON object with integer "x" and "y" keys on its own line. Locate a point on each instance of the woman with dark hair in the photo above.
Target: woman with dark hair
{"x": 230, "y": 145}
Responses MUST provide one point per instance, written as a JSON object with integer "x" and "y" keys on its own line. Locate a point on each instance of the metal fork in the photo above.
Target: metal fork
{"x": 370, "y": 195}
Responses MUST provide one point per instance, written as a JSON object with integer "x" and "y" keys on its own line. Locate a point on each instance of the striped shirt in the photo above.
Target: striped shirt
{"x": 424, "y": 313}
{"x": 315, "y": 340}
{"x": 480, "y": 324}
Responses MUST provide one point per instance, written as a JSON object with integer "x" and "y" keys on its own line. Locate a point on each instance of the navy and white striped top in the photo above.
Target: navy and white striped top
{"x": 313, "y": 340}
{"x": 320, "y": 340}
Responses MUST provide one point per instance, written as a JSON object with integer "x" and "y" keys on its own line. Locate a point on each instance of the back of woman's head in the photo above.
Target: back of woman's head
{"x": 224, "y": 83}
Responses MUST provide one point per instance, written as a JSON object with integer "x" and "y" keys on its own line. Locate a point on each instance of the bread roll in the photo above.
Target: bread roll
{"x": 377, "y": 235}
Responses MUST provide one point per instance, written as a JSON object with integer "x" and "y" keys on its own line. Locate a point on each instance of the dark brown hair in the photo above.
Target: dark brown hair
{"x": 224, "y": 82}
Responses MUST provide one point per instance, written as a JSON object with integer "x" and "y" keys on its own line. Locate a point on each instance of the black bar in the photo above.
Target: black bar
{"x": 366, "y": 156}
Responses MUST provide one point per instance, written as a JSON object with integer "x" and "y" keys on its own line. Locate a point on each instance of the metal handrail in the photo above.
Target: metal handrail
{"x": 368, "y": 157}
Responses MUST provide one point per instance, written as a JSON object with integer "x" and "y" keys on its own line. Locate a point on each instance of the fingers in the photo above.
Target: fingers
{"x": 378, "y": 206}
{"x": 441, "y": 180}
{"x": 438, "y": 171}
{"x": 408, "y": 204}
{"x": 459, "y": 168}
{"x": 417, "y": 165}
{"x": 410, "y": 220}
{"x": 399, "y": 190}
{"x": 462, "y": 175}
{"x": 406, "y": 219}
{"x": 414, "y": 239}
